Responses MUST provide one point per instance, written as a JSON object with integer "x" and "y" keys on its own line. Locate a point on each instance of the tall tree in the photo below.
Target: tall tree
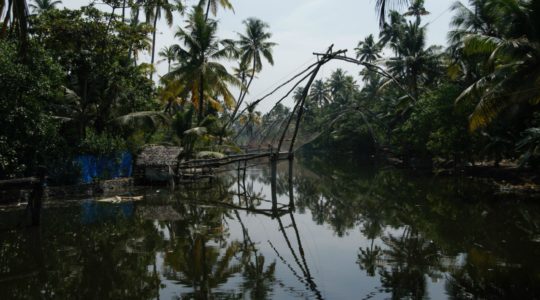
{"x": 513, "y": 60}
{"x": 385, "y": 6}
{"x": 319, "y": 93}
{"x": 391, "y": 32}
{"x": 417, "y": 10}
{"x": 199, "y": 69}
{"x": 368, "y": 50}
{"x": 250, "y": 119}
{"x": 212, "y": 6}
{"x": 44, "y": 5}
{"x": 253, "y": 46}
{"x": 15, "y": 14}
{"x": 414, "y": 64}
{"x": 168, "y": 54}
{"x": 154, "y": 10}
{"x": 341, "y": 86}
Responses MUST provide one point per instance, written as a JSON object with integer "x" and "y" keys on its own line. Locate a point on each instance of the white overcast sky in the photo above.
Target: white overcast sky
{"x": 301, "y": 27}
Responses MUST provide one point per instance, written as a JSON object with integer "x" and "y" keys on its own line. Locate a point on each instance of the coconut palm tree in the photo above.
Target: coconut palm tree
{"x": 470, "y": 19}
{"x": 253, "y": 45}
{"x": 168, "y": 54}
{"x": 513, "y": 60}
{"x": 392, "y": 31}
{"x": 154, "y": 10}
{"x": 297, "y": 94}
{"x": 368, "y": 50}
{"x": 199, "y": 69}
{"x": 341, "y": 86}
{"x": 417, "y": 10}
{"x": 15, "y": 14}
{"x": 319, "y": 93}
{"x": 44, "y": 5}
{"x": 212, "y": 6}
{"x": 385, "y": 6}
{"x": 250, "y": 119}
{"x": 414, "y": 64}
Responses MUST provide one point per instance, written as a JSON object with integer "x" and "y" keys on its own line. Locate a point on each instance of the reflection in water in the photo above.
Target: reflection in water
{"x": 326, "y": 232}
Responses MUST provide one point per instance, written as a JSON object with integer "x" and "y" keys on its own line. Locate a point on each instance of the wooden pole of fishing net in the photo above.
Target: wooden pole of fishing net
{"x": 300, "y": 105}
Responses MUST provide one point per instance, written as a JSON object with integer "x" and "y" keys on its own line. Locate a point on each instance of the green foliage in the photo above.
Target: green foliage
{"x": 437, "y": 128}
{"x": 28, "y": 135}
{"x": 101, "y": 143}
{"x": 199, "y": 73}
{"x": 529, "y": 144}
{"x": 505, "y": 34}
{"x": 94, "y": 55}
{"x": 412, "y": 102}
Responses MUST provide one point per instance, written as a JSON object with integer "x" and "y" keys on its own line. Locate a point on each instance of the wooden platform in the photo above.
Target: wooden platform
{"x": 219, "y": 162}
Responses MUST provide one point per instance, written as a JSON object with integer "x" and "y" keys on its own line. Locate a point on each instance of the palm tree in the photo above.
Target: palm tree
{"x": 297, "y": 94}
{"x": 368, "y": 50}
{"x": 391, "y": 32}
{"x": 470, "y": 20}
{"x": 250, "y": 119}
{"x": 168, "y": 54}
{"x": 385, "y": 6}
{"x": 513, "y": 60}
{"x": 417, "y": 10}
{"x": 414, "y": 63}
{"x": 154, "y": 10}
{"x": 212, "y": 6}
{"x": 466, "y": 21}
{"x": 253, "y": 46}
{"x": 15, "y": 14}
{"x": 341, "y": 86}
{"x": 319, "y": 93}
{"x": 199, "y": 70}
{"x": 44, "y": 5}
{"x": 135, "y": 6}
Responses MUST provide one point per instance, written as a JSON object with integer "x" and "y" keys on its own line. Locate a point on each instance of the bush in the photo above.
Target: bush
{"x": 28, "y": 134}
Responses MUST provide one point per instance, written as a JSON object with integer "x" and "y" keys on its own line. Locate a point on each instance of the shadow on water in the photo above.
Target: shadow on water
{"x": 303, "y": 230}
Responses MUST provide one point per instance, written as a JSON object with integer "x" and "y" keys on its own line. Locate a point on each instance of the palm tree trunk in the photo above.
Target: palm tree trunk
{"x": 135, "y": 22}
{"x": 111, "y": 19}
{"x": 154, "y": 42}
{"x": 241, "y": 98}
{"x": 235, "y": 111}
{"x": 201, "y": 99}
{"x": 124, "y": 11}
{"x": 7, "y": 19}
{"x": 207, "y": 10}
{"x": 415, "y": 90}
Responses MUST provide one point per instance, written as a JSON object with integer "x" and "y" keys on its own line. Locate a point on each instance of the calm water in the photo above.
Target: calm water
{"x": 350, "y": 232}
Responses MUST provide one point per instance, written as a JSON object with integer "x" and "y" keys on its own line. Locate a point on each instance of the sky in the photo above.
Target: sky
{"x": 301, "y": 27}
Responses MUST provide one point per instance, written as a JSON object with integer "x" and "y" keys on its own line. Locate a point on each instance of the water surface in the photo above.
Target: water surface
{"x": 332, "y": 231}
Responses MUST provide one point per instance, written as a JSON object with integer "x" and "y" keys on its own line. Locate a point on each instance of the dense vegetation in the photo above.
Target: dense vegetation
{"x": 71, "y": 82}
{"x": 474, "y": 101}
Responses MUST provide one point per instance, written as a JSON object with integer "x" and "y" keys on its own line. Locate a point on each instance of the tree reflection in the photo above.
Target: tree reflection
{"x": 409, "y": 259}
{"x": 204, "y": 259}
{"x": 202, "y": 267}
{"x": 258, "y": 279}
{"x": 67, "y": 260}
{"x": 419, "y": 227}
{"x": 412, "y": 230}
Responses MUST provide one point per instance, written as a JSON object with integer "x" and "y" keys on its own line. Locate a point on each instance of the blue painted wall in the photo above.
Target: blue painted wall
{"x": 105, "y": 166}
